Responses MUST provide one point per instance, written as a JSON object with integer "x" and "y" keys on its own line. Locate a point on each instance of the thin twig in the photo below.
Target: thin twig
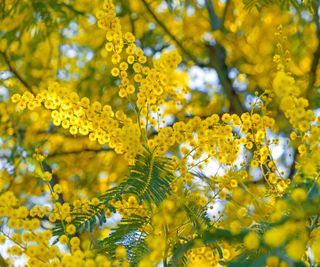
{"x": 62, "y": 153}
{"x": 3, "y": 7}
{"x": 177, "y": 42}
{"x": 54, "y": 180}
{"x": 293, "y": 166}
{"x": 16, "y": 74}
{"x": 71, "y": 8}
{"x": 224, "y": 15}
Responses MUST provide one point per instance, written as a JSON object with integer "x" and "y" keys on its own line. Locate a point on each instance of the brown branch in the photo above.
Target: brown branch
{"x": 217, "y": 61}
{"x": 16, "y": 74}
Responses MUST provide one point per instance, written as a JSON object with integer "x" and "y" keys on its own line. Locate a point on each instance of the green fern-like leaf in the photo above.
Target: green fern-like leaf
{"x": 197, "y": 216}
{"x": 149, "y": 180}
{"x": 86, "y": 220}
{"x": 58, "y": 229}
{"x": 284, "y": 4}
{"x": 127, "y": 233}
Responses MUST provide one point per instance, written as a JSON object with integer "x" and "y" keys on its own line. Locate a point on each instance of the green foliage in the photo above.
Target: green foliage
{"x": 170, "y": 4}
{"x": 284, "y": 4}
{"x": 127, "y": 233}
{"x": 85, "y": 221}
{"x": 58, "y": 229}
{"x": 257, "y": 260}
{"x": 197, "y": 216}
{"x": 149, "y": 180}
{"x": 52, "y": 13}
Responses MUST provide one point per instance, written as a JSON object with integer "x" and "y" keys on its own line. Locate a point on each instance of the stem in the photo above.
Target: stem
{"x": 16, "y": 74}
{"x": 214, "y": 20}
{"x": 61, "y": 153}
{"x": 224, "y": 15}
{"x": 218, "y": 59}
{"x": 54, "y": 180}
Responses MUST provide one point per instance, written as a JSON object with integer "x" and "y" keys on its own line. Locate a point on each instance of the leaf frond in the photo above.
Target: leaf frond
{"x": 149, "y": 180}
{"x": 128, "y": 233}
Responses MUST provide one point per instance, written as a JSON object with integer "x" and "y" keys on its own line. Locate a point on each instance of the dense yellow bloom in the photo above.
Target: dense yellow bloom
{"x": 299, "y": 195}
{"x": 71, "y": 229}
{"x": 47, "y": 176}
{"x": 295, "y": 249}
{"x": 146, "y": 133}
{"x": 251, "y": 240}
{"x": 275, "y": 237}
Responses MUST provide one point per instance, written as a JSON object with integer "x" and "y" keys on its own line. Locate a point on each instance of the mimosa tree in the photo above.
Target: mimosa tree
{"x": 159, "y": 133}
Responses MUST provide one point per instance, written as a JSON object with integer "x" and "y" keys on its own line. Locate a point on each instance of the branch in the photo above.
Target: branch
{"x": 224, "y": 15}
{"x": 218, "y": 59}
{"x": 16, "y": 74}
{"x": 54, "y": 180}
{"x": 214, "y": 20}
{"x": 70, "y": 7}
{"x": 293, "y": 166}
{"x": 61, "y": 153}
{"x": 166, "y": 30}
{"x": 316, "y": 55}
{"x": 3, "y": 7}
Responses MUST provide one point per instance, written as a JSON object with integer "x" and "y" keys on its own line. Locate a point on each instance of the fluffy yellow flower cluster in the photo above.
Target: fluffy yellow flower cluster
{"x": 129, "y": 207}
{"x": 209, "y": 188}
{"x": 203, "y": 256}
{"x": 108, "y": 20}
{"x": 160, "y": 84}
{"x": 36, "y": 243}
{"x": 293, "y": 106}
{"x": 154, "y": 85}
{"x": 130, "y": 59}
{"x": 79, "y": 116}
